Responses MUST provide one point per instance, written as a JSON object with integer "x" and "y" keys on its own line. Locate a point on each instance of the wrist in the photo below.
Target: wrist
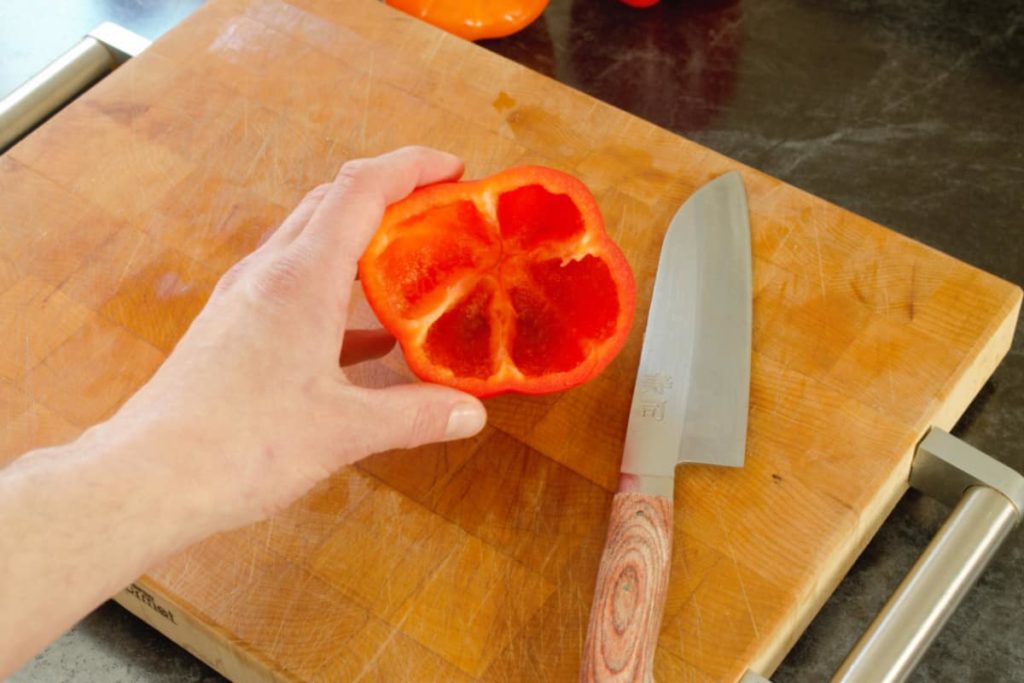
{"x": 93, "y": 514}
{"x": 155, "y": 467}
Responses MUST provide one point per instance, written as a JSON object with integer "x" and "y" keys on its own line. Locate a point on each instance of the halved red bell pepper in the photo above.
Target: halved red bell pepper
{"x": 509, "y": 283}
{"x": 475, "y": 19}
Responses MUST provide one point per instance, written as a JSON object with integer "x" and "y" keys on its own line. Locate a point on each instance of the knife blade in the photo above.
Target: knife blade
{"x": 690, "y": 404}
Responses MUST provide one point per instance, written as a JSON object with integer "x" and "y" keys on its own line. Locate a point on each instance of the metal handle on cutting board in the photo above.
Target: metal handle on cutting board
{"x": 989, "y": 500}
{"x": 101, "y": 51}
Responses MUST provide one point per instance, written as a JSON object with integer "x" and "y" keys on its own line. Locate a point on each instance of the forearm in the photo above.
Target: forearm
{"x": 79, "y": 522}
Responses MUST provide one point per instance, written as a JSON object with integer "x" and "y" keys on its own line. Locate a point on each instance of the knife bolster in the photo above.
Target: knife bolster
{"x": 647, "y": 484}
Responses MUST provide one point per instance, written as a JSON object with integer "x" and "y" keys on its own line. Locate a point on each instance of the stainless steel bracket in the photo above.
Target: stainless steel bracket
{"x": 988, "y": 500}
{"x": 101, "y": 51}
{"x": 945, "y": 467}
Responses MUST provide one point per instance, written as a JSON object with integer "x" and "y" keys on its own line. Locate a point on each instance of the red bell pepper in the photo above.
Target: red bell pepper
{"x": 505, "y": 284}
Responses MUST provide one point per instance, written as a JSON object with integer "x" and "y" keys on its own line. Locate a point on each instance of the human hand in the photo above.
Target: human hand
{"x": 253, "y": 394}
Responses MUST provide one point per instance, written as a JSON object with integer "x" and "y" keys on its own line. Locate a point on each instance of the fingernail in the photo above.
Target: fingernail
{"x": 466, "y": 419}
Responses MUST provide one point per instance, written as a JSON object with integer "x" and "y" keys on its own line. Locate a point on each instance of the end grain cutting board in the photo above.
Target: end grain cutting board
{"x": 475, "y": 560}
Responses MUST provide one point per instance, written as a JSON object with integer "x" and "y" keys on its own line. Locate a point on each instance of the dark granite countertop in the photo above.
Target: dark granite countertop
{"x": 908, "y": 112}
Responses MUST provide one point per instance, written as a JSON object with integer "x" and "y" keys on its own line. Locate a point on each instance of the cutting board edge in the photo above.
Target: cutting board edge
{"x": 207, "y": 642}
{"x": 972, "y": 378}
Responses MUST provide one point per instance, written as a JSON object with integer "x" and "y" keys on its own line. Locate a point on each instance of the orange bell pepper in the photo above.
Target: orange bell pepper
{"x": 474, "y": 19}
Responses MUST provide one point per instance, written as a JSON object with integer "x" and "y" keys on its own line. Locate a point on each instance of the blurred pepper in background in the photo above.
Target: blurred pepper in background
{"x": 474, "y": 19}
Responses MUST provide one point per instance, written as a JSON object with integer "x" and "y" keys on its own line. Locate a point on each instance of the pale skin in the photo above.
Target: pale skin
{"x": 248, "y": 413}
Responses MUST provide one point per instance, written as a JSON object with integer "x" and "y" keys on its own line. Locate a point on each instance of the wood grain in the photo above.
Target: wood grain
{"x": 629, "y": 596}
{"x": 474, "y": 560}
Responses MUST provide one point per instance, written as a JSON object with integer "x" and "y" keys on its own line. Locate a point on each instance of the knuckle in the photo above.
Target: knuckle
{"x": 425, "y": 426}
{"x": 316, "y": 195}
{"x": 356, "y": 175}
{"x": 360, "y": 183}
{"x": 233, "y": 275}
{"x": 283, "y": 278}
{"x": 318, "y": 192}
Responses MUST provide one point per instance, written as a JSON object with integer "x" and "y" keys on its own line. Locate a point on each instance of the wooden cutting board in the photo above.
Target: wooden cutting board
{"x": 474, "y": 560}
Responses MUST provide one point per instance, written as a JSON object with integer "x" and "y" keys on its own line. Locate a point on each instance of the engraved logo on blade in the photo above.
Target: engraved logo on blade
{"x": 651, "y": 400}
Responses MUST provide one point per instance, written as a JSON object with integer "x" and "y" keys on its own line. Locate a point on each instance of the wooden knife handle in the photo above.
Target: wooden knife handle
{"x": 631, "y": 585}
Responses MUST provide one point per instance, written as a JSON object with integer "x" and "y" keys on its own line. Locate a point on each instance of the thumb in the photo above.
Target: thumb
{"x": 411, "y": 415}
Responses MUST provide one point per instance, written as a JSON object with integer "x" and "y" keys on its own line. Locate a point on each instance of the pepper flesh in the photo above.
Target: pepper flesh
{"x": 475, "y": 19}
{"x": 505, "y": 284}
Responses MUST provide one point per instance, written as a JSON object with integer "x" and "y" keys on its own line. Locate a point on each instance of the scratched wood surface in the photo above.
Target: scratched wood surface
{"x": 475, "y": 560}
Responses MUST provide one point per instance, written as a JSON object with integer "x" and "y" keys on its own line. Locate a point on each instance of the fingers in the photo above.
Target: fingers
{"x": 411, "y": 415}
{"x": 349, "y": 215}
{"x": 297, "y": 219}
{"x": 363, "y": 345}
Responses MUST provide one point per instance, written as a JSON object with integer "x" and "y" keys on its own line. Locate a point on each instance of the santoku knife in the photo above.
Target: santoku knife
{"x": 689, "y": 405}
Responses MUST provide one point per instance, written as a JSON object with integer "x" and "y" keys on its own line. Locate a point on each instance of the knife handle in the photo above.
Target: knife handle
{"x": 632, "y": 581}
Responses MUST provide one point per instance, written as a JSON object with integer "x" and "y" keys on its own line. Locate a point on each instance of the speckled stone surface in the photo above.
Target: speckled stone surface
{"x": 908, "y": 112}
{"x": 112, "y": 646}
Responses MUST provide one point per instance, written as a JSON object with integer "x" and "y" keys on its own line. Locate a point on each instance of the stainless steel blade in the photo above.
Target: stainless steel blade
{"x": 693, "y": 385}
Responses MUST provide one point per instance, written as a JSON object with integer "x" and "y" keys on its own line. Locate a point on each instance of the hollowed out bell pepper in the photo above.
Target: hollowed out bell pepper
{"x": 505, "y": 284}
{"x": 475, "y": 19}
